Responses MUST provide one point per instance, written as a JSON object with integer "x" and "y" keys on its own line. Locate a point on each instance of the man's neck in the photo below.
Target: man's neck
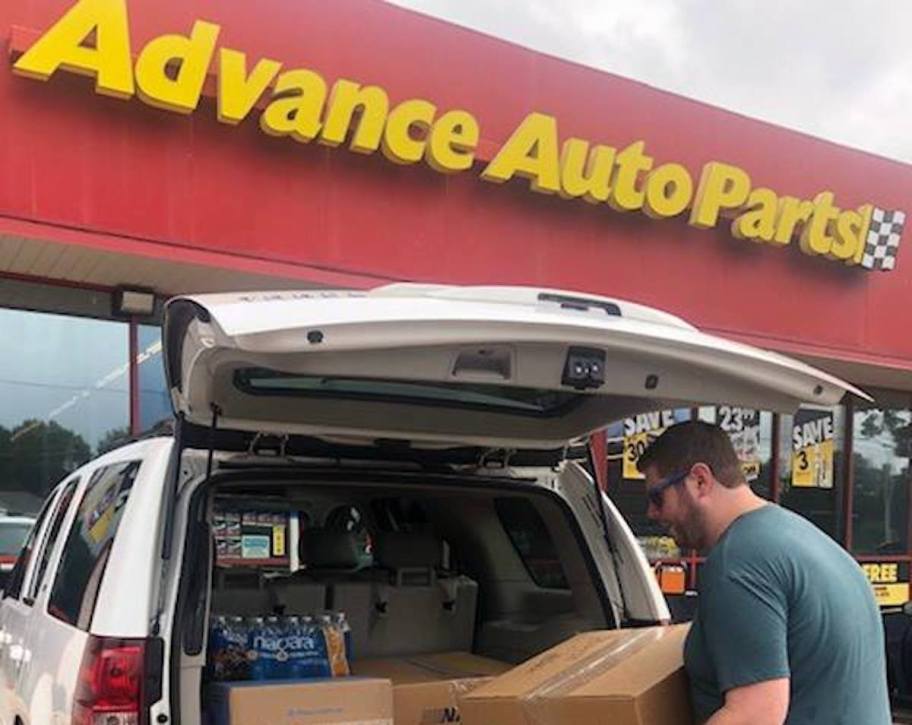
{"x": 736, "y": 502}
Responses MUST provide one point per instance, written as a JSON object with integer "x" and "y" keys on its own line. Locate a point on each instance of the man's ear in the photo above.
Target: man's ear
{"x": 704, "y": 478}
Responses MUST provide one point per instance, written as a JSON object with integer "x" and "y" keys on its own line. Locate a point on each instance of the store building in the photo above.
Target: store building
{"x": 166, "y": 147}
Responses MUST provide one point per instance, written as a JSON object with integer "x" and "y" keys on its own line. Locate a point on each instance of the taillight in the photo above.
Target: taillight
{"x": 110, "y": 686}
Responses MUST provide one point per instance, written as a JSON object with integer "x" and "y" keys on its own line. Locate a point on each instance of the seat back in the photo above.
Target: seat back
{"x": 410, "y": 608}
{"x": 240, "y": 592}
{"x": 325, "y": 554}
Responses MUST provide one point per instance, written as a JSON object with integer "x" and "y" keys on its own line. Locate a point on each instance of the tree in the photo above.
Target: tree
{"x": 114, "y": 438}
{"x": 35, "y": 455}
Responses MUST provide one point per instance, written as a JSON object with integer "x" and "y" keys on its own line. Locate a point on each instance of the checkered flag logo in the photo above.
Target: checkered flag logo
{"x": 883, "y": 238}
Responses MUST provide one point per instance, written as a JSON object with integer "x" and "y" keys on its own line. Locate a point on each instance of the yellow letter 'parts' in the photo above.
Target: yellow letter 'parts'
{"x": 758, "y": 222}
{"x": 815, "y": 238}
{"x": 848, "y": 236}
{"x": 792, "y": 212}
{"x": 721, "y": 187}
{"x": 866, "y": 212}
{"x": 109, "y": 62}
{"x": 297, "y": 106}
{"x": 192, "y": 55}
{"x": 531, "y": 152}
{"x": 239, "y": 91}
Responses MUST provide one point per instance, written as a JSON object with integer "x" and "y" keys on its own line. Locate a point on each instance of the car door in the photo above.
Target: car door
{"x": 40, "y": 660}
{"x": 15, "y": 616}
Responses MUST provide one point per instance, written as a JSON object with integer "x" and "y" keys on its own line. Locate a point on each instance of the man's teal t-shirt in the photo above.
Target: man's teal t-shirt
{"x": 779, "y": 598}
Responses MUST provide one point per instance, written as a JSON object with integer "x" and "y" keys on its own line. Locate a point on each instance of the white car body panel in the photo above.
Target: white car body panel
{"x": 446, "y": 335}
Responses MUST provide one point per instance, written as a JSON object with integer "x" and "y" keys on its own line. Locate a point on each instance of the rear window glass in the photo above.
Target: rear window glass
{"x": 12, "y": 537}
{"x": 532, "y": 541}
{"x": 88, "y": 545}
{"x": 522, "y": 401}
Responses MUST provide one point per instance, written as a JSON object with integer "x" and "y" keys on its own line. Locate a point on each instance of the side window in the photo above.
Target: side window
{"x": 47, "y": 546}
{"x": 17, "y": 576}
{"x": 532, "y": 541}
{"x": 88, "y": 545}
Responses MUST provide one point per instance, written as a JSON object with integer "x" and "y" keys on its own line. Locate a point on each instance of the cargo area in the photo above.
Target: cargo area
{"x": 419, "y": 579}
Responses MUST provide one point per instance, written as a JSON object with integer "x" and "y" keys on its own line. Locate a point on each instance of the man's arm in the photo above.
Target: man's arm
{"x": 763, "y": 703}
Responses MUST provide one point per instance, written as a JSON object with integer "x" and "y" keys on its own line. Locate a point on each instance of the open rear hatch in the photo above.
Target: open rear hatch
{"x": 438, "y": 367}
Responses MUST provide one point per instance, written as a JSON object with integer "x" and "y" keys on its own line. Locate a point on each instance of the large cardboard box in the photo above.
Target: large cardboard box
{"x": 348, "y": 701}
{"x": 426, "y": 688}
{"x": 614, "y": 677}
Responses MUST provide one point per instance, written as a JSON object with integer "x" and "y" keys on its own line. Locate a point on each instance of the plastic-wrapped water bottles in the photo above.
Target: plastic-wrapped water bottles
{"x": 279, "y": 648}
{"x": 308, "y": 650}
{"x": 227, "y": 655}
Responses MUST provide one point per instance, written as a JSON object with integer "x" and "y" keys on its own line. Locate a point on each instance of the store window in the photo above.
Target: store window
{"x": 154, "y": 403}
{"x": 811, "y": 453}
{"x": 751, "y": 433}
{"x": 881, "y": 449}
{"x": 64, "y": 383}
{"x": 626, "y": 440}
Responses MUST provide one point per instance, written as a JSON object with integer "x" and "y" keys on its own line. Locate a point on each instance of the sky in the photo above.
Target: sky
{"x": 835, "y": 69}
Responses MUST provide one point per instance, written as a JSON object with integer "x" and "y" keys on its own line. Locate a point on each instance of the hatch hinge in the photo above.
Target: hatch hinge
{"x": 262, "y": 444}
{"x": 498, "y": 458}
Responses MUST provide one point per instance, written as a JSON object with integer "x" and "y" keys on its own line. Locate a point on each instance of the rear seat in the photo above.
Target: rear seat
{"x": 403, "y": 606}
{"x": 325, "y": 554}
{"x": 240, "y": 592}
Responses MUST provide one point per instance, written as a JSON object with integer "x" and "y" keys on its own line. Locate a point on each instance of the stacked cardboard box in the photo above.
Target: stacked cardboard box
{"x": 315, "y": 702}
{"x": 426, "y": 688}
{"x": 621, "y": 677}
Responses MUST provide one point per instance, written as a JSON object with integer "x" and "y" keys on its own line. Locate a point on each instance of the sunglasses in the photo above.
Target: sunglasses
{"x": 656, "y": 494}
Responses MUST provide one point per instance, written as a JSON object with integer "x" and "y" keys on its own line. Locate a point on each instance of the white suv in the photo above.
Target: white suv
{"x": 418, "y": 440}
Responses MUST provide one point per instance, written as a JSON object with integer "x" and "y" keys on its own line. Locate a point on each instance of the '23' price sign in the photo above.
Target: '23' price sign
{"x": 743, "y": 428}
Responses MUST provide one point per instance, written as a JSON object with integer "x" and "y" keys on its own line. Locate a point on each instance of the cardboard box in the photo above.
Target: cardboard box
{"x": 348, "y": 701}
{"x": 426, "y": 688}
{"x": 616, "y": 677}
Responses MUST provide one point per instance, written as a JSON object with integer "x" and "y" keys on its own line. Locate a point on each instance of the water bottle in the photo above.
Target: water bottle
{"x": 277, "y": 649}
{"x": 215, "y": 652}
{"x": 342, "y": 622}
{"x": 314, "y": 652}
{"x": 258, "y": 637}
{"x": 236, "y": 664}
{"x": 335, "y": 647}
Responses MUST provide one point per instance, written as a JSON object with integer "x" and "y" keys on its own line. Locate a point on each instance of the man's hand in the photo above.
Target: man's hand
{"x": 764, "y": 703}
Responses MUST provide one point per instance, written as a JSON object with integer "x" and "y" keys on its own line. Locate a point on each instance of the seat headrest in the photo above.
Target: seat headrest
{"x": 329, "y": 549}
{"x": 396, "y": 550}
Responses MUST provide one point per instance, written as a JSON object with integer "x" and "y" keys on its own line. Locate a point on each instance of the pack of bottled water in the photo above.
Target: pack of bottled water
{"x": 279, "y": 648}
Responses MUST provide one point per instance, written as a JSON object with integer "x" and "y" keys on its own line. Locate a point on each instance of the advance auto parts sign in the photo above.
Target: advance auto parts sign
{"x": 171, "y": 70}
{"x": 812, "y": 449}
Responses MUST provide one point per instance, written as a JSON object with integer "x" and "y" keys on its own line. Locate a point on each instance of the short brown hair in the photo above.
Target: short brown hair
{"x": 684, "y": 444}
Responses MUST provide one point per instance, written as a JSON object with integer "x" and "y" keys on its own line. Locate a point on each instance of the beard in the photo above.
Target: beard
{"x": 690, "y": 531}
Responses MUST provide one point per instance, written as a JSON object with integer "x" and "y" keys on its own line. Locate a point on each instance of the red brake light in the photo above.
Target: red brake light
{"x": 110, "y": 686}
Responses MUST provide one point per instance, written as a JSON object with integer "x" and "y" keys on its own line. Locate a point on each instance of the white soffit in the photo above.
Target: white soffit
{"x": 89, "y": 266}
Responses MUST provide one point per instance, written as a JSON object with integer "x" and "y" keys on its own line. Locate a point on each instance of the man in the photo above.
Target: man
{"x": 786, "y": 629}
